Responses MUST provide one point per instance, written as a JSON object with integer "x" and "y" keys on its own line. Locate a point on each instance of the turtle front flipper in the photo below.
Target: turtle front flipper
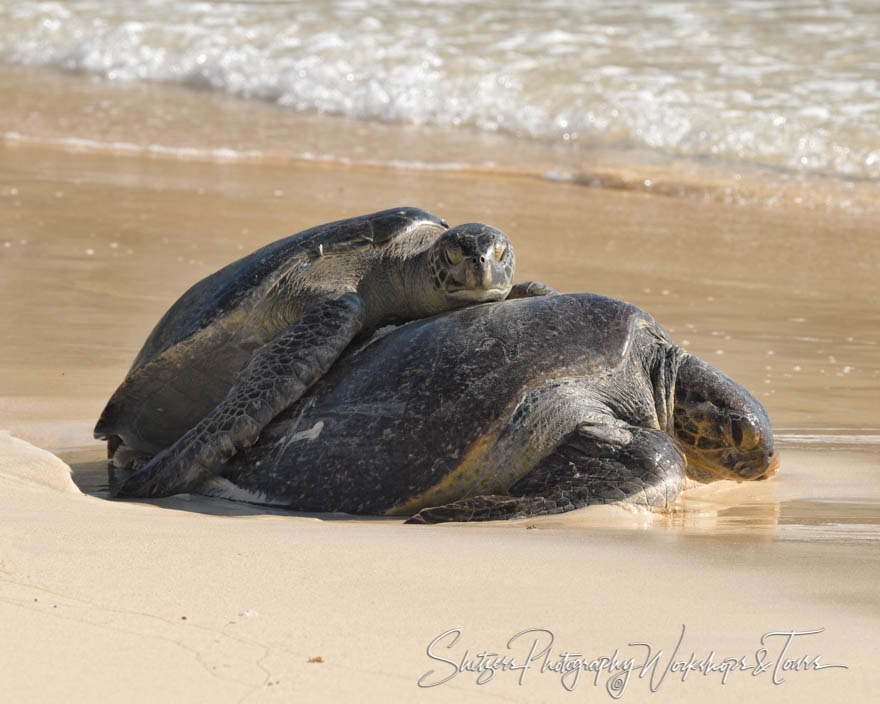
{"x": 276, "y": 377}
{"x": 597, "y": 463}
{"x": 530, "y": 289}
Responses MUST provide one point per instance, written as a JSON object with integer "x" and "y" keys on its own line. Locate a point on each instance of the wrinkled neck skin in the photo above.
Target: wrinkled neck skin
{"x": 664, "y": 370}
{"x": 399, "y": 288}
{"x": 641, "y": 392}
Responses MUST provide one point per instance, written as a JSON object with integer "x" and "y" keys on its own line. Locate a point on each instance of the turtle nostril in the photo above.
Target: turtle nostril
{"x": 482, "y": 260}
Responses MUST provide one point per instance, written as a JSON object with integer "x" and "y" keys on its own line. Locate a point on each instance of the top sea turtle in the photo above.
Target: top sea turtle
{"x": 244, "y": 343}
{"x": 508, "y": 409}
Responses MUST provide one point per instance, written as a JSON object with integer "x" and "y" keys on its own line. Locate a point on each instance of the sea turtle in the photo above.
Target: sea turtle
{"x": 508, "y": 409}
{"x": 246, "y": 342}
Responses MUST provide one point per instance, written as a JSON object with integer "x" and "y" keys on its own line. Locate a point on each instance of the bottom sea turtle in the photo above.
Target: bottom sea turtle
{"x": 509, "y": 409}
{"x": 244, "y": 343}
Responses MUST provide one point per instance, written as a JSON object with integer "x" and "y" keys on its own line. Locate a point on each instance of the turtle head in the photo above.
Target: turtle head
{"x": 472, "y": 262}
{"x": 724, "y": 431}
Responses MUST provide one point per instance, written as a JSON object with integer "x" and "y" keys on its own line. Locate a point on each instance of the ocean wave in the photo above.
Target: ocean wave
{"x": 785, "y": 84}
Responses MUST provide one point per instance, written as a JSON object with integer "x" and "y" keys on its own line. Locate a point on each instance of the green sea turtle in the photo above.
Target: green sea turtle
{"x": 246, "y": 342}
{"x": 509, "y": 409}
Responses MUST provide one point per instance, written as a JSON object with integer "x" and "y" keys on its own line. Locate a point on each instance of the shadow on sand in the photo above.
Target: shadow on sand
{"x": 93, "y": 477}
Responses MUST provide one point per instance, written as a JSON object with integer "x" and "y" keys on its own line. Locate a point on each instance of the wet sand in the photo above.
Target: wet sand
{"x": 95, "y": 246}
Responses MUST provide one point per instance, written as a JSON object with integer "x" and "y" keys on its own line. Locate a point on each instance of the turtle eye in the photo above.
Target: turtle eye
{"x": 453, "y": 255}
{"x": 736, "y": 432}
{"x": 744, "y": 434}
{"x": 500, "y": 249}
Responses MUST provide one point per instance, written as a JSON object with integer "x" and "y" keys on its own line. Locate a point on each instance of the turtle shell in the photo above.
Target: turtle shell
{"x": 392, "y": 420}
{"x": 194, "y": 354}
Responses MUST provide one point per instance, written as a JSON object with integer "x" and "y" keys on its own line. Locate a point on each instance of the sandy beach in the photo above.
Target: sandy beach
{"x": 193, "y": 599}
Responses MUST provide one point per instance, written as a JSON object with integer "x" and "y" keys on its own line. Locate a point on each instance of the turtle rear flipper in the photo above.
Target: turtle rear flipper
{"x": 275, "y": 378}
{"x": 594, "y": 464}
{"x": 490, "y": 507}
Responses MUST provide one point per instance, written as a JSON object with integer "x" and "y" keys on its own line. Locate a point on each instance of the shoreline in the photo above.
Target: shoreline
{"x": 163, "y": 121}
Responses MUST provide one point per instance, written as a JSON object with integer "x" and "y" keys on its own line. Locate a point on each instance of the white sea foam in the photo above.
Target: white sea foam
{"x": 793, "y": 85}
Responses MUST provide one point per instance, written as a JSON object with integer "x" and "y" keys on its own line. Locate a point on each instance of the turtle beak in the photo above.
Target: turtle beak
{"x": 486, "y": 272}
{"x": 484, "y": 279}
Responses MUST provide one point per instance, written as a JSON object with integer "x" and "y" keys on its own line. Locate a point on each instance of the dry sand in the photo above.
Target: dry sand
{"x": 198, "y": 600}
{"x": 189, "y": 599}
